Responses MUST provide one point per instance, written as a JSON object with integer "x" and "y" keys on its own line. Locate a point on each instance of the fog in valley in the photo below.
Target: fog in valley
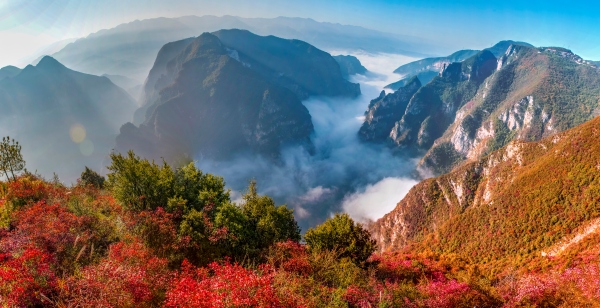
{"x": 344, "y": 174}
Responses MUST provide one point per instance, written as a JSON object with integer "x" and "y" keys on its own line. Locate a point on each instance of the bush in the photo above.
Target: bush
{"x": 343, "y": 235}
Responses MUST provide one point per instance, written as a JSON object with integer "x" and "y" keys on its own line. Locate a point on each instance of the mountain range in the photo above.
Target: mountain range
{"x": 64, "y": 119}
{"x": 479, "y": 105}
{"x": 428, "y": 68}
{"x": 231, "y": 91}
{"x": 130, "y": 49}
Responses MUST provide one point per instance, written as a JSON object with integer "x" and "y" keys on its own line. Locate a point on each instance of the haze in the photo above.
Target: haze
{"x": 29, "y": 26}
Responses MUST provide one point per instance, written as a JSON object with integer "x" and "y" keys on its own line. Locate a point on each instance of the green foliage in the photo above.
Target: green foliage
{"x": 343, "y": 235}
{"x": 257, "y": 223}
{"x": 11, "y": 159}
{"x": 91, "y": 177}
{"x": 138, "y": 183}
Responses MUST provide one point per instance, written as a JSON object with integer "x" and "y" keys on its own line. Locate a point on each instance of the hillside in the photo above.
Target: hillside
{"x": 510, "y": 208}
{"x": 526, "y": 94}
{"x": 248, "y": 98}
{"x": 65, "y": 119}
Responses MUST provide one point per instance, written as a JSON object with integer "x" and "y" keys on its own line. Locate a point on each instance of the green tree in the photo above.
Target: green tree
{"x": 138, "y": 183}
{"x": 340, "y": 233}
{"x": 257, "y": 223}
{"x": 11, "y": 159}
{"x": 91, "y": 177}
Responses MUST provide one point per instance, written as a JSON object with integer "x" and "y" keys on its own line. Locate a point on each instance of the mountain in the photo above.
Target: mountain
{"x": 428, "y": 68}
{"x": 130, "y": 49}
{"x": 231, "y": 91}
{"x": 418, "y": 123}
{"x": 9, "y": 71}
{"x": 534, "y": 93}
{"x": 525, "y": 201}
{"x": 384, "y": 111}
{"x": 479, "y": 105}
{"x": 350, "y": 65}
{"x": 64, "y": 119}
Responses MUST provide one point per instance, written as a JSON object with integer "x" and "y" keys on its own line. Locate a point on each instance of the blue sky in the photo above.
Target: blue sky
{"x": 26, "y": 25}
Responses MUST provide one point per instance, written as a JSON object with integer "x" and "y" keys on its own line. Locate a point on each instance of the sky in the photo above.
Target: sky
{"x": 29, "y": 25}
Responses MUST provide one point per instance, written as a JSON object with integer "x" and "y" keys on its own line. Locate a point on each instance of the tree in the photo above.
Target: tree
{"x": 11, "y": 159}
{"x": 138, "y": 183}
{"x": 91, "y": 177}
{"x": 256, "y": 224}
{"x": 340, "y": 233}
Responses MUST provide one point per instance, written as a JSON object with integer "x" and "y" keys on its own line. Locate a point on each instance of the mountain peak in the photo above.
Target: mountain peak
{"x": 47, "y": 62}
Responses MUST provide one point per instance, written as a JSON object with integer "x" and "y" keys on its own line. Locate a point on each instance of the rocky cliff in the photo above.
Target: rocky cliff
{"x": 479, "y": 105}
{"x": 426, "y": 69}
{"x": 384, "y": 111}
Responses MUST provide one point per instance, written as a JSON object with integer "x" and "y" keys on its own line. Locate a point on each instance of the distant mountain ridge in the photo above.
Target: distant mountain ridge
{"x": 229, "y": 92}
{"x": 130, "y": 49}
{"x": 428, "y": 68}
{"x": 46, "y": 105}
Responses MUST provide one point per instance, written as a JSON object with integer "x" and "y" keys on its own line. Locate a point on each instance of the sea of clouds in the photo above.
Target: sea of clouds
{"x": 344, "y": 174}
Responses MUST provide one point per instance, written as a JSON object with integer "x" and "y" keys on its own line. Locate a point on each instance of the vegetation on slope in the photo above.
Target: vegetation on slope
{"x": 157, "y": 236}
{"x": 506, "y": 210}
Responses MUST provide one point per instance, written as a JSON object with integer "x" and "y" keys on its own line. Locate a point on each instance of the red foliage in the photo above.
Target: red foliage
{"x": 291, "y": 257}
{"x": 129, "y": 277}
{"x": 25, "y": 279}
{"x": 48, "y": 227}
{"x": 222, "y": 285}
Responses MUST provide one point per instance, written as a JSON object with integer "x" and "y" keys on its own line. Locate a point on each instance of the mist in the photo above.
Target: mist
{"x": 344, "y": 174}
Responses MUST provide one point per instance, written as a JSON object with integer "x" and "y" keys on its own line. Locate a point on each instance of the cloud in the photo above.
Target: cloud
{"x": 344, "y": 174}
{"x": 377, "y": 199}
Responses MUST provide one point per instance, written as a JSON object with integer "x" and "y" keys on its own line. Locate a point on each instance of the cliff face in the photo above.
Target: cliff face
{"x": 479, "y": 105}
{"x": 433, "y": 107}
{"x": 215, "y": 105}
{"x": 516, "y": 202}
{"x": 426, "y": 69}
{"x": 532, "y": 94}
{"x": 384, "y": 111}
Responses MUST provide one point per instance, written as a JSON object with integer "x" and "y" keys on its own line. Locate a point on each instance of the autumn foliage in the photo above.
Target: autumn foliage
{"x": 82, "y": 247}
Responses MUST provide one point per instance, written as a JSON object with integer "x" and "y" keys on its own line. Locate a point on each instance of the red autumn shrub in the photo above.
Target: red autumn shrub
{"x": 26, "y": 279}
{"x": 291, "y": 257}
{"x": 129, "y": 277}
{"x": 50, "y": 228}
{"x": 27, "y": 190}
{"x": 222, "y": 285}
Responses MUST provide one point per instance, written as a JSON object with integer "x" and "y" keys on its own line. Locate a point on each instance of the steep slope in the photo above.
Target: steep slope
{"x": 215, "y": 105}
{"x": 130, "y": 49}
{"x": 350, "y": 65}
{"x": 427, "y": 69}
{"x": 384, "y": 111}
{"x": 509, "y": 207}
{"x": 432, "y": 108}
{"x": 534, "y": 93}
{"x": 64, "y": 119}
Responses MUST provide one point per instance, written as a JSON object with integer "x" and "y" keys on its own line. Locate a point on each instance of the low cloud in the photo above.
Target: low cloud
{"x": 345, "y": 174}
{"x": 377, "y": 199}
